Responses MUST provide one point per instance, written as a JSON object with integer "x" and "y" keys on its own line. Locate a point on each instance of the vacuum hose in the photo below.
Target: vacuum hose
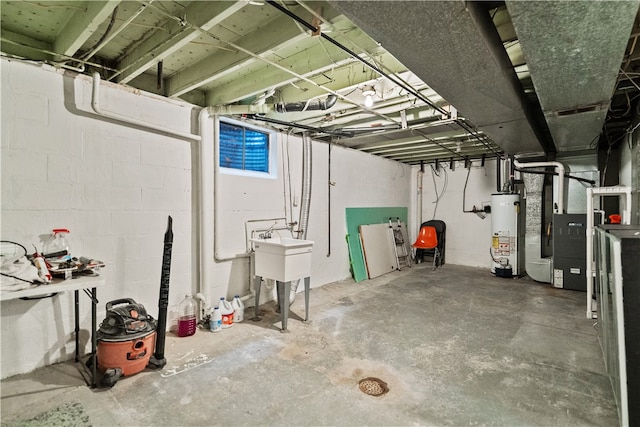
{"x": 158, "y": 360}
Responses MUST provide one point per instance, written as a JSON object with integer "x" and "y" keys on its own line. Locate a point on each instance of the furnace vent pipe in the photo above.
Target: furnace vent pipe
{"x": 560, "y": 169}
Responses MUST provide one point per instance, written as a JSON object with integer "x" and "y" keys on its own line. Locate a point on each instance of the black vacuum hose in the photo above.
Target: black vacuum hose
{"x": 158, "y": 360}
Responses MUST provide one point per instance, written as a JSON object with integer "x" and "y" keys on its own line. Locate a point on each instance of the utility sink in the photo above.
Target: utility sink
{"x": 282, "y": 258}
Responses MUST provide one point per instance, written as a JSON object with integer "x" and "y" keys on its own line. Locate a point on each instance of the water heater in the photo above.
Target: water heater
{"x": 507, "y": 235}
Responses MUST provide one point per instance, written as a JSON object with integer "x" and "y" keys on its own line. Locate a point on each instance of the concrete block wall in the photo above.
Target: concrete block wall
{"x": 468, "y": 236}
{"x": 111, "y": 185}
{"x": 114, "y": 185}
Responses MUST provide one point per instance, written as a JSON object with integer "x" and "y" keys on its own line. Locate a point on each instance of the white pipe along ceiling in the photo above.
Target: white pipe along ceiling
{"x": 573, "y": 51}
{"x": 449, "y": 80}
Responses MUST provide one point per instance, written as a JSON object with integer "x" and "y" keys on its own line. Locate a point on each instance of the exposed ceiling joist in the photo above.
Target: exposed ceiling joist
{"x": 461, "y": 57}
{"x": 305, "y": 59}
{"x": 421, "y": 59}
{"x": 177, "y": 33}
{"x": 82, "y": 24}
{"x": 25, "y": 46}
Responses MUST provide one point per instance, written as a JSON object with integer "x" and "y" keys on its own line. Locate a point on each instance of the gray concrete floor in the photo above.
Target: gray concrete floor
{"x": 456, "y": 346}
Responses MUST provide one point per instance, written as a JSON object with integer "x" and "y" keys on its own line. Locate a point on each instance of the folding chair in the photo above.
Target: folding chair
{"x": 428, "y": 239}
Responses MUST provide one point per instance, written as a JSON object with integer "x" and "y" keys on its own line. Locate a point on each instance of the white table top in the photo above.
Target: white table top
{"x": 57, "y": 286}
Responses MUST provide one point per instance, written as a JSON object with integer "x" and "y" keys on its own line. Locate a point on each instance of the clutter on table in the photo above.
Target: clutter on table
{"x": 20, "y": 269}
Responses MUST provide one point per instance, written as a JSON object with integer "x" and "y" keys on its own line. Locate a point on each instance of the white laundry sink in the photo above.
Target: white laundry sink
{"x": 282, "y": 259}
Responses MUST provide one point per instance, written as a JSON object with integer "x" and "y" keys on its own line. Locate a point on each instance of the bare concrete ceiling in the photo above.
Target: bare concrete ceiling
{"x": 450, "y": 79}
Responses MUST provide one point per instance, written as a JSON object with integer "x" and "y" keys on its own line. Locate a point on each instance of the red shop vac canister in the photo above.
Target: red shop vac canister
{"x": 126, "y": 340}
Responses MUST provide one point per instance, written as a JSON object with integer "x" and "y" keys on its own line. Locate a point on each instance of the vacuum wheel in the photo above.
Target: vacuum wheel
{"x": 111, "y": 377}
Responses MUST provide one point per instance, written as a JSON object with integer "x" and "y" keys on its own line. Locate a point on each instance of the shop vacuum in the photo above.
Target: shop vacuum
{"x": 128, "y": 334}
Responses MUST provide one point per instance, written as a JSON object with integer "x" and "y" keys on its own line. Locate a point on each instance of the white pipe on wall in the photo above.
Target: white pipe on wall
{"x": 559, "y": 167}
{"x": 95, "y": 104}
{"x": 206, "y": 234}
{"x": 624, "y": 192}
{"x": 208, "y": 245}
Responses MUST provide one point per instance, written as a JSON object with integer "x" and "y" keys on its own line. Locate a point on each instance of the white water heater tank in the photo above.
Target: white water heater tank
{"x": 506, "y": 235}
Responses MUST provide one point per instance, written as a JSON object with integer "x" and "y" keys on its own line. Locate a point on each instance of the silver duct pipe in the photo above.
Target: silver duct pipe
{"x": 303, "y": 223}
{"x": 309, "y": 105}
{"x": 306, "y": 186}
{"x": 537, "y": 267}
{"x": 280, "y": 107}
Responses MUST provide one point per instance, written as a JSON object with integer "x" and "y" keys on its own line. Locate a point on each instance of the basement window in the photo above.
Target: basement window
{"x": 245, "y": 149}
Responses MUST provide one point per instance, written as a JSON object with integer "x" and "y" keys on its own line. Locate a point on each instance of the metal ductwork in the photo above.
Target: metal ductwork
{"x": 455, "y": 49}
{"x": 311, "y": 105}
{"x": 574, "y": 50}
{"x": 280, "y": 107}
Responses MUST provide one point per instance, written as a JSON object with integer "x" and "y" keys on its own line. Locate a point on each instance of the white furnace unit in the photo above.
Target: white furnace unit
{"x": 507, "y": 235}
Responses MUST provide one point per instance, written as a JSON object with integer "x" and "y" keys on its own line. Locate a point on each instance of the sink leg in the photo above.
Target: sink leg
{"x": 284, "y": 288}
{"x": 257, "y": 282}
{"x": 307, "y": 288}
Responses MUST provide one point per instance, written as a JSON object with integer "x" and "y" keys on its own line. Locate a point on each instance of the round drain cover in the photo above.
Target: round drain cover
{"x": 373, "y": 386}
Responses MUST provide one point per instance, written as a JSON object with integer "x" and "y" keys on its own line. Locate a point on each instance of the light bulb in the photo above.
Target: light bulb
{"x": 368, "y": 101}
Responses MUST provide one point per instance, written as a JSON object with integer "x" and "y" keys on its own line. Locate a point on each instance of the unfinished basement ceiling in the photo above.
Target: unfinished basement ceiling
{"x": 448, "y": 80}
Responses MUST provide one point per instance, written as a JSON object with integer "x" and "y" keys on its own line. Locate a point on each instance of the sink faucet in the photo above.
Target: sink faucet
{"x": 267, "y": 234}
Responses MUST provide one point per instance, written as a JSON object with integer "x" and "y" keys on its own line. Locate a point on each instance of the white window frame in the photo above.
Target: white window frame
{"x": 273, "y": 150}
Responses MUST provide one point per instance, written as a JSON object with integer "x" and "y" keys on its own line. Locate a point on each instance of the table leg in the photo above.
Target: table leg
{"x": 307, "y": 288}
{"x": 76, "y": 301}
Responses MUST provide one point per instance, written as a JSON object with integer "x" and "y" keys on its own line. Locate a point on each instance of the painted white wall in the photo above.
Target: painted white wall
{"x": 468, "y": 236}
{"x": 114, "y": 185}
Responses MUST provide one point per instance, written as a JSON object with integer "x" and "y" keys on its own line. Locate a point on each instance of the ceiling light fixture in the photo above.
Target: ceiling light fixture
{"x": 368, "y": 91}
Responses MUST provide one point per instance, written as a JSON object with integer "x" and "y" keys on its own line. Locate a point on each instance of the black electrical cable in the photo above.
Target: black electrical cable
{"x": 104, "y": 36}
{"x": 15, "y": 243}
{"x": 19, "y": 278}
{"x": 299, "y": 126}
{"x": 339, "y": 45}
{"x": 577, "y": 178}
{"x": 409, "y": 89}
{"x": 464, "y": 192}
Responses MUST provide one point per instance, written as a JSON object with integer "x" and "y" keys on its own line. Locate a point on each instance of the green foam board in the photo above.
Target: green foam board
{"x": 360, "y": 216}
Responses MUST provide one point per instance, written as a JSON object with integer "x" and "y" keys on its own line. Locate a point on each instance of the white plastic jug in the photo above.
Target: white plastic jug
{"x": 238, "y": 309}
{"x": 226, "y": 310}
{"x": 216, "y": 320}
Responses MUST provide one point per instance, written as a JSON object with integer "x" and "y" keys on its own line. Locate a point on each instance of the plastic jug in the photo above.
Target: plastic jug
{"x": 216, "y": 320}
{"x": 238, "y": 309}
{"x": 227, "y": 313}
{"x": 186, "y": 317}
{"x": 56, "y": 249}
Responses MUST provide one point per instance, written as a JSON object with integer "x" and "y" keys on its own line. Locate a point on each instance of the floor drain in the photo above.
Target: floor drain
{"x": 373, "y": 386}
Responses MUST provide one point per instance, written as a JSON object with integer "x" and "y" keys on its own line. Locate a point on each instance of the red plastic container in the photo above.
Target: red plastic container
{"x": 615, "y": 219}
